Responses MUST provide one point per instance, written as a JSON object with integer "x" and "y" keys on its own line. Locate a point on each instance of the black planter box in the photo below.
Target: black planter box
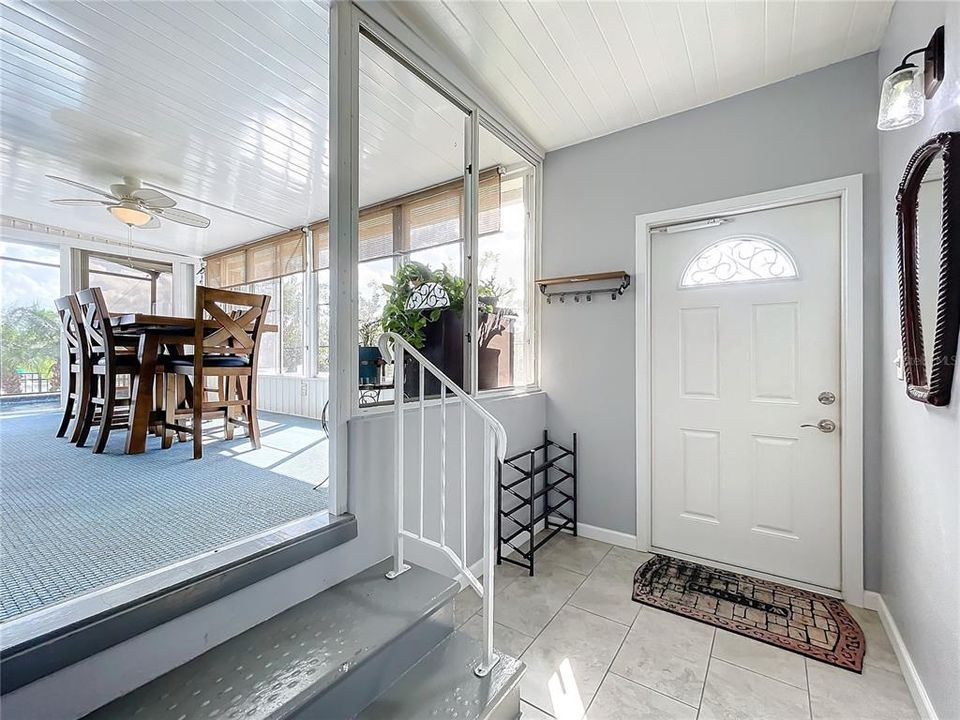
{"x": 444, "y": 348}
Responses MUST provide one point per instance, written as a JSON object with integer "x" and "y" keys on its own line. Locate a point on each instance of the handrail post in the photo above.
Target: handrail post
{"x": 398, "y": 566}
{"x": 488, "y": 659}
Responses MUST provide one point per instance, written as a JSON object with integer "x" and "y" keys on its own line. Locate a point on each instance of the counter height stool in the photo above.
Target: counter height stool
{"x": 228, "y": 350}
{"x": 111, "y": 357}
{"x": 78, "y": 366}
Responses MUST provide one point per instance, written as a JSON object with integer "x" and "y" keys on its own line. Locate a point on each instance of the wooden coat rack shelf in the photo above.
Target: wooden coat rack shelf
{"x": 587, "y": 293}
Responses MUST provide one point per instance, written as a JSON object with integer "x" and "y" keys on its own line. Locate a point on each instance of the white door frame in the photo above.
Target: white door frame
{"x": 849, "y": 190}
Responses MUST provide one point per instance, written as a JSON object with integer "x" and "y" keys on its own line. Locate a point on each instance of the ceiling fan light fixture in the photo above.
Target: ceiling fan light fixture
{"x": 130, "y": 214}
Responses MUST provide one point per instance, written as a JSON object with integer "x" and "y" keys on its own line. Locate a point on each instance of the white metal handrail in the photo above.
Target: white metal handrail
{"x": 494, "y": 450}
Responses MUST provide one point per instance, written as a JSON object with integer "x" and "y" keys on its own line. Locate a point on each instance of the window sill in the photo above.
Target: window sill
{"x": 52, "y": 638}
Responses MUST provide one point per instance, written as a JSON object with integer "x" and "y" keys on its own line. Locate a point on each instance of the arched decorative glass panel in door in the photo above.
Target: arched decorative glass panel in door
{"x": 739, "y": 259}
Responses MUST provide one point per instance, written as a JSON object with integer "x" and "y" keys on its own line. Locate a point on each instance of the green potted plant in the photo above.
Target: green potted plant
{"x": 425, "y": 307}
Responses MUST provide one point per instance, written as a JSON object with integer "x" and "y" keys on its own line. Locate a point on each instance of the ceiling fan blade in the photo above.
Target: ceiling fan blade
{"x": 153, "y": 224}
{"x": 182, "y": 216}
{"x": 82, "y": 202}
{"x": 153, "y": 198}
{"x": 88, "y": 188}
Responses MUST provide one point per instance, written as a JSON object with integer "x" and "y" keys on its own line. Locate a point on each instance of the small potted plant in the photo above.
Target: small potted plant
{"x": 370, "y": 358}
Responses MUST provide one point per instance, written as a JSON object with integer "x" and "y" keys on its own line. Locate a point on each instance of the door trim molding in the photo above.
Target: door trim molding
{"x": 849, "y": 190}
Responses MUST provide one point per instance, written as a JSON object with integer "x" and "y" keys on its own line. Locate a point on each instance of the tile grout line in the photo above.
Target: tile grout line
{"x": 554, "y": 616}
{"x": 609, "y": 670}
{"x": 653, "y": 690}
{"x": 758, "y": 673}
{"x": 806, "y": 674}
{"x": 703, "y": 688}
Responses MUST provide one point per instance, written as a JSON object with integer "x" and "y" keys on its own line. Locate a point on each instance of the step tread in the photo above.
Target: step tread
{"x": 443, "y": 685}
{"x": 281, "y": 664}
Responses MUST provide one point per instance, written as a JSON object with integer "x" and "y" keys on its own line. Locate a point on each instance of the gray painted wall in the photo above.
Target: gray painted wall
{"x": 920, "y": 449}
{"x": 84, "y": 686}
{"x": 813, "y": 127}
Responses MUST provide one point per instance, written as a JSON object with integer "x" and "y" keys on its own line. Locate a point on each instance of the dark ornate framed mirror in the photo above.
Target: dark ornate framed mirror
{"x": 928, "y": 219}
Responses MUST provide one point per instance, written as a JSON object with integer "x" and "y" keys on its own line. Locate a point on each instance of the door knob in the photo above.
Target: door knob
{"x": 824, "y": 426}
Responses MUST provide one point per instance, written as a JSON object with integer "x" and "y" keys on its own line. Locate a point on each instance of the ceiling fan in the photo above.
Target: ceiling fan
{"x": 134, "y": 205}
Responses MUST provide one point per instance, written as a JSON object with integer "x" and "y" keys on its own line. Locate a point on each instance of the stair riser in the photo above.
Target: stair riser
{"x": 506, "y": 709}
{"x": 364, "y": 683}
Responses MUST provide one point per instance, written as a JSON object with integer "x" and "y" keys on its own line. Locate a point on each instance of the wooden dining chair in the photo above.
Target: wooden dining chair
{"x": 229, "y": 349}
{"x": 110, "y": 357}
{"x": 78, "y": 366}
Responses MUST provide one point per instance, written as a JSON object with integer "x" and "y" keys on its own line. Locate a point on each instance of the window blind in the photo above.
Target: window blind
{"x": 376, "y": 233}
{"x": 273, "y": 257}
{"x": 321, "y": 244}
{"x": 433, "y": 218}
{"x": 489, "y": 201}
{"x": 416, "y": 221}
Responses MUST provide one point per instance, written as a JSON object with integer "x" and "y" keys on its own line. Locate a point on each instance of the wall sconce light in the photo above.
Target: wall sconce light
{"x": 903, "y": 92}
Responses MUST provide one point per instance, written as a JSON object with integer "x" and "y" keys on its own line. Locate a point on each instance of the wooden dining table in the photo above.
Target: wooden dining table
{"x": 154, "y": 332}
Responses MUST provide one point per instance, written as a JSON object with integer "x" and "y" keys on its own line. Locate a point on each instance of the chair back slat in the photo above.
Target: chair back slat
{"x": 239, "y": 319}
{"x": 96, "y": 322}
{"x": 70, "y": 318}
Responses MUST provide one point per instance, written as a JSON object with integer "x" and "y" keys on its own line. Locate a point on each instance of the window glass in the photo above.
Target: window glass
{"x": 269, "y": 359}
{"x": 323, "y": 320}
{"x": 292, "y": 324}
{"x": 411, "y": 185}
{"x": 505, "y": 334}
{"x": 739, "y": 259}
{"x": 130, "y": 284}
{"x": 29, "y": 325}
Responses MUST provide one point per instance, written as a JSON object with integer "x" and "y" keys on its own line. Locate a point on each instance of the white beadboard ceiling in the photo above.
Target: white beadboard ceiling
{"x": 222, "y": 104}
{"x": 225, "y": 104}
{"x": 572, "y": 70}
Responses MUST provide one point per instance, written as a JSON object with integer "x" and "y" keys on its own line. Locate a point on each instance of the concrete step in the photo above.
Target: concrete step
{"x": 443, "y": 685}
{"x": 327, "y": 657}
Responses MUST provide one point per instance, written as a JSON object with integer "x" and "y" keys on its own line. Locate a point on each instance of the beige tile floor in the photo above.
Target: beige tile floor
{"x": 594, "y": 654}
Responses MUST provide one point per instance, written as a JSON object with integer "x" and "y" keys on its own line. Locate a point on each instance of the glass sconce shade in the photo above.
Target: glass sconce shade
{"x": 901, "y": 99}
{"x": 130, "y": 214}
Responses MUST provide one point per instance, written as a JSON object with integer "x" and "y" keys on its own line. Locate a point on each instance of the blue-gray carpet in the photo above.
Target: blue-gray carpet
{"x": 72, "y": 521}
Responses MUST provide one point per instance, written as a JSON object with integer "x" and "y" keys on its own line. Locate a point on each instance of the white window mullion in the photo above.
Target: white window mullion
{"x": 471, "y": 253}
{"x": 344, "y": 178}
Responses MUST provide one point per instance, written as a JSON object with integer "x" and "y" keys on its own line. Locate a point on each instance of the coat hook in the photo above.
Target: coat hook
{"x": 563, "y": 299}
{"x": 549, "y": 299}
{"x": 589, "y": 297}
{"x": 576, "y": 298}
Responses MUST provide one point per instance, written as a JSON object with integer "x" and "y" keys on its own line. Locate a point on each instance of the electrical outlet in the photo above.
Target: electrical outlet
{"x": 303, "y": 389}
{"x": 898, "y": 364}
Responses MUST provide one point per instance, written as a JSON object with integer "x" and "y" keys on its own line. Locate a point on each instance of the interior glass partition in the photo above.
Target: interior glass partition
{"x": 131, "y": 284}
{"x": 505, "y": 263}
{"x": 411, "y": 257}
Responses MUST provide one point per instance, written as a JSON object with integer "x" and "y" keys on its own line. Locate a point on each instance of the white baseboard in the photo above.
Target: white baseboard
{"x": 590, "y": 532}
{"x": 612, "y": 537}
{"x": 874, "y": 601}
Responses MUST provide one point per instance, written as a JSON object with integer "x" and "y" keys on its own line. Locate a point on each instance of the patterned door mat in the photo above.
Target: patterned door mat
{"x": 798, "y": 620}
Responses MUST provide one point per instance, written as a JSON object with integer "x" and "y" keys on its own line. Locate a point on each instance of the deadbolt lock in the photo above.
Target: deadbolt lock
{"x": 827, "y": 398}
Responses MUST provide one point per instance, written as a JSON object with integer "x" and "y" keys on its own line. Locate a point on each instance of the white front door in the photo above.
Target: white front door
{"x": 746, "y": 347}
